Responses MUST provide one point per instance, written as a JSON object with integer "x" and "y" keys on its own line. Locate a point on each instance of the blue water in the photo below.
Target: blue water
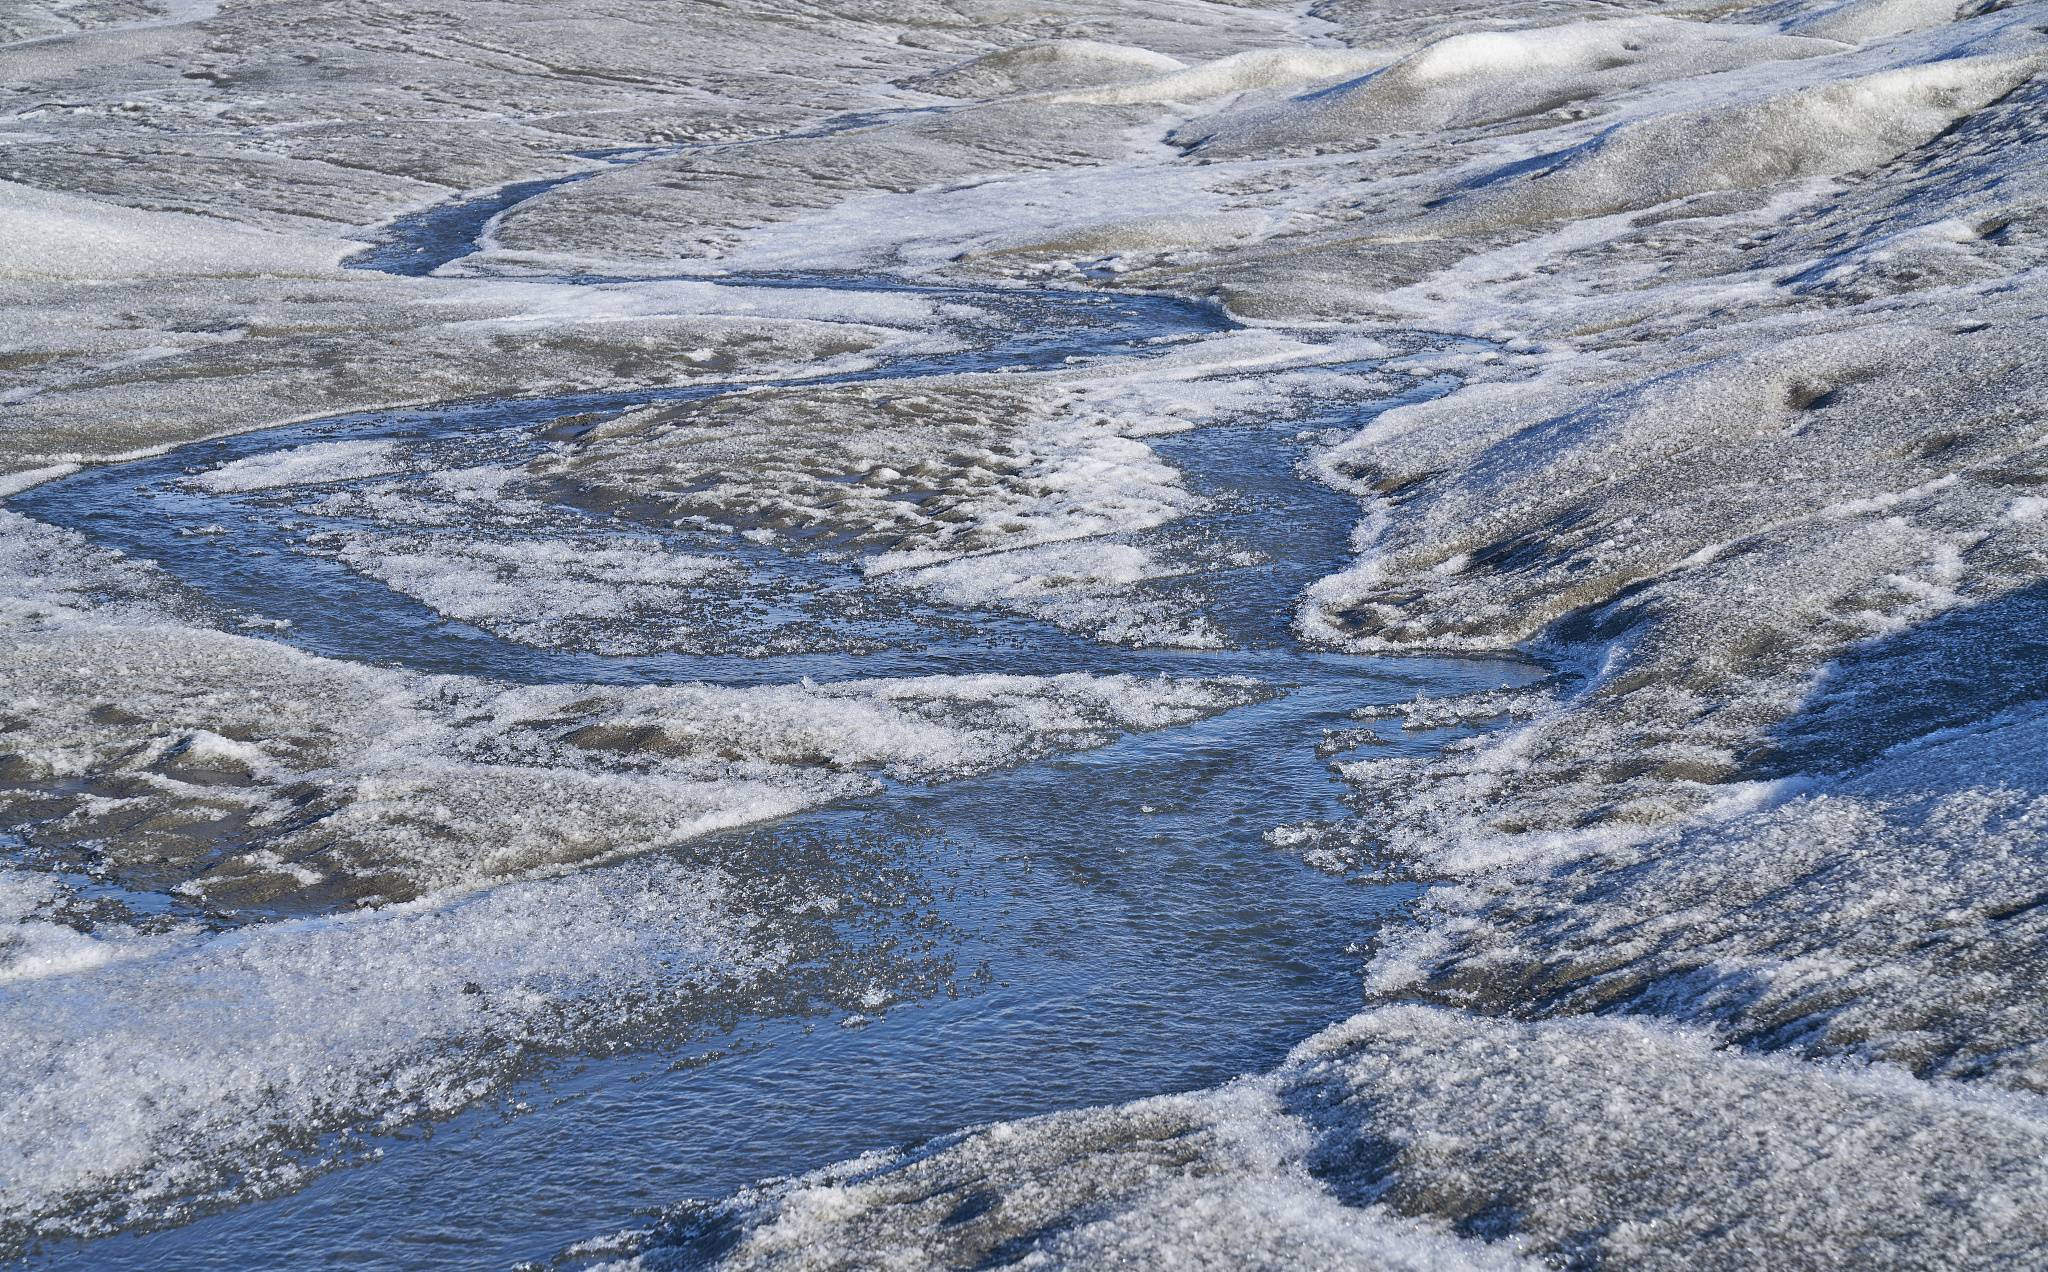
{"x": 1103, "y": 925}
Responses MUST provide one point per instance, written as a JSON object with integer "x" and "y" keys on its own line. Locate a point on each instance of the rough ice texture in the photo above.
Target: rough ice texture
{"x": 1083, "y": 585}
{"x": 1616, "y": 1143}
{"x": 1228, "y": 76}
{"x": 1211, "y": 1181}
{"x": 88, "y": 381}
{"x": 979, "y": 491}
{"x": 919, "y": 472}
{"x": 1891, "y": 915}
{"x": 318, "y": 462}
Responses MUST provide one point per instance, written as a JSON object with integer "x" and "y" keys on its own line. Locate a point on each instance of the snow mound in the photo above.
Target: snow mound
{"x": 1046, "y": 66}
{"x": 1811, "y": 132}
{"x": 1237, "y": 73}
{"x": 1487, "y": 76}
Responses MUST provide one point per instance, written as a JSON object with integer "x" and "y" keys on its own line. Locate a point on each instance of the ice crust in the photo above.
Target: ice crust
{"x": 318, "y": 462}
{"x": 1084, "y": 585}
{"x": 1891, "y": 915}
{"x": 220, "y": 355}
{"x": 980, "y": 491}
{"x": 58, "y": 236}
{"x": 920, "y": 473}
{"x": 1215, "y": 1180}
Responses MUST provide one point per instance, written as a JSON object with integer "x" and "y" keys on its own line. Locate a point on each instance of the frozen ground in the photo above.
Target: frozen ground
{"x": 865, "y": 634}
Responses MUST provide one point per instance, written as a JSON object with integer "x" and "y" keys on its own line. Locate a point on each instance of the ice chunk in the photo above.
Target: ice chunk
{"x": 552, "y": 593}
{"x": 302, "y": 465}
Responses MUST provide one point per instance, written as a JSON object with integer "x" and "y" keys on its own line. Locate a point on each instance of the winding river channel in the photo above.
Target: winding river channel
{"x": 1116, "y": 920}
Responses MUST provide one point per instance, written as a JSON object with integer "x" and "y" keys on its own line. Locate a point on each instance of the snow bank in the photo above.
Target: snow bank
{"x": 1208, "y": 1181}
{"x": 1699, "y": 540}
{"x": 1821, "y": 131}
{"x": 1892, "y": 914}
{"x": 51, "y": 236}
{"x": 1484, "y": 77}
{"x": 1237, "y": 73}
{"x": 1048, "y": 65}
{"x": 1629, "y": 1144}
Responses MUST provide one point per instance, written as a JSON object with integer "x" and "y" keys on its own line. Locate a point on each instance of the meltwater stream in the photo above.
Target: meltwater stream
{"x": 1111, "y": 924}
